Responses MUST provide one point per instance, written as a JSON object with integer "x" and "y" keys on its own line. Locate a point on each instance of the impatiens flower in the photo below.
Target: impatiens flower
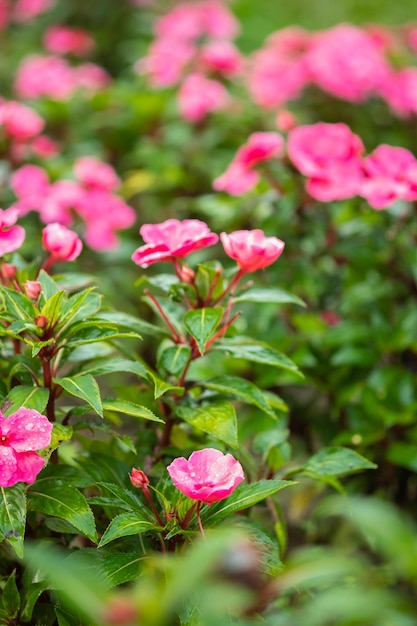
{"x": 172, "y": 239}
{"x": 62, "y": 243}
{"x": 21, "y": 435}
{"x": 390, "y": 174}
{"x": 11, "y": 236}
{"x": 60, "y": 39}
{"x": 26, "y": 10}
{"x": 236, "y": 180}
{"x": 165, "y": 61}
{"x": 207, "y": 476}
{"x": 30, "y": 183}
{"x": 400, "y": 91}
{"x": 19, "y": 121}
{"x": 329, "y": 155}
{"x": 251, "y": 250}
{"x": 199, "y": 96}
{"x": 223, "y": 57}
{"x": 96, "y": 174}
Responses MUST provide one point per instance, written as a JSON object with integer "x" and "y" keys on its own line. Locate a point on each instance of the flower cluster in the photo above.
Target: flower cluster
{"x": 91, "y": 197}
{"x": 177, "y": 55}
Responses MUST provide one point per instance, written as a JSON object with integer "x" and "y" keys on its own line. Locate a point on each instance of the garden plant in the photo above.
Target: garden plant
{"x": 208, "y": 302}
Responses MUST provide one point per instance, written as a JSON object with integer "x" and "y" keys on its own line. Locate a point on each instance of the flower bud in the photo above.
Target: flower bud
{"x": 41, "y": 321}
{"x": 33, "y": 289}
{"x": 63, "y": 243}
{"x": 8, "y": 271}
{"x": 186, "y": 274}
{"x": 139, "y": 479}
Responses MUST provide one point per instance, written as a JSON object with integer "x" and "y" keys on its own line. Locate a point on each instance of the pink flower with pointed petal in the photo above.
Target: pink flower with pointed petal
{"x": 11, "y": 236}
{"x": 207, "y": 476}
{"x": 172, "y": 239}
{"x": 21, "y": 435}
{"x": 62, "y": 243}
{"x": 251, "y": 250}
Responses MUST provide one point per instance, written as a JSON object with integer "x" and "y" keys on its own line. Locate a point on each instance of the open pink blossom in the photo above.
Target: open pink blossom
{"x": 172, "y": 239}
{"x": 60, "y": 39}
{"x": 400, "y": 91}
{"x": 62, "y": 243}
{"x": 207, "y": 476}
{"x": 19, "y": 121}
{"x": 236, "y": 180}
{"x": 191, "y": 20}
{"x": 222, "y": 57}
{"x": 165, "y": 61}
{"x": 45, "y": 76}
{"x": 251, "y": 249}
{"x": 390, "y": 174}
{"x": 30, "y": 183}
{"x": 96, "y": 174}
{"x": 329, "y": 155}
{"x": 11, "y": 236}
{"x": 22, "y": 434}
{"x": 199, "y": 96}
{"x": 347, "y": 62}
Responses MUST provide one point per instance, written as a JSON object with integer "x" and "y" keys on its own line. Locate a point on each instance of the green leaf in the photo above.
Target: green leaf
{"x": 257, "y": 352}
{"x": 30, "y": 595}
{"x": 336, "y": 461}
{"x": 126, "y": 524}
{"x": 60, "y": 499}
{"x": 110, "y": 366}
{"x": 124, "y": 497}
{"x": 18, "y": 305}
{"x": 91, "y": 331}
{"x": 174, "y": 358}
{"x": 206, "y": 276}
{"x": 49, "y": 286}
{"x": 273, "y": 296}
{"x": 52, "y": 308}
{"x": 217, "y": 419}
{"x": 10, "y": 597}
{"x": 84, "y": 387}
{"x": 133, "y": 323}
{"x": 112, "y": 569}
{"x": 13, "y": 516}
{"x": 81, "y": 306}
{"x": 29, "y": 397}
{"x": 161, "y": 386}
{"x": 129, "y": 408}
{"x": 244, "y": 497}
{"x": 202, "y": 324}
{"x": 242, "y": 389}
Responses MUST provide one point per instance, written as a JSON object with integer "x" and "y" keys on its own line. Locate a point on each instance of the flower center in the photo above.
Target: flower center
{"x": 3, "y": 440}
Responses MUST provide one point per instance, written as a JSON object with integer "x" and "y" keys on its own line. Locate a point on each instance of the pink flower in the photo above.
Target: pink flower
{"x": 218, "y": 21}
{"x": 45, "y": 76}
{"x": 221, "y": 56}
{"x": 400, "y": 91}
{"x": 251, "y": 250}
{"x": 91, "y": 77}
{"x": 63, "y": 198}
{"x": 182, "y": 22}
{"x": 172, "y": 239}
{"x": 279, "y": 71}
{"x": 285, "y": 120}
{"x": 239, "y": 177}
{"x": 4, "y": 14}
{"x": 62, "y": 243}
{"x": 165, "y": 61}
{"x": 347, "y": 62}
{"x": 96, "y": 174}
{"x": 199, "y": 96}
{"x": 390, "y": 174}
{"x": 66, "y": 40}
{"x": 207, "y": 476}
{"x": 21, "y": 435}
{"x": 329, "y": 155}
{"x": 30, "y": 183}
{"x": 26, "y": 10}
{"x": 19, "y": 121}
{"x": 45, "y": 147}
{"x": 11, "y": 237}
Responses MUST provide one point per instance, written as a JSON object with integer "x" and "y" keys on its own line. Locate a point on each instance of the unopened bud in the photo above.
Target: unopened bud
{"x": 186, "y": 274}
{"x": 121, "y": 611}
{"x": 33, "y": 289}
{"x": 286, "y": 121}
{"x": 139, "y": 479}
{"x": 8, "y": 271}
{"x": 41, "y": 321}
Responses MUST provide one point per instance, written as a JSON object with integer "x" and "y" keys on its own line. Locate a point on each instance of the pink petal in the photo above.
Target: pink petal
{"x": 27, "y": 430}
{"x": 8, "y": 466}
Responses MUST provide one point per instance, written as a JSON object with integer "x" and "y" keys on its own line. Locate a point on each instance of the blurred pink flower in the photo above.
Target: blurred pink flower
{"x": 19, "y": 121}
{"x": 26, "y": 10}
{"x": 104, "y": 214}
{"x": 11, "y": 236}
{"x": 44, "y": 76}
{"x": 218, "y": 21}
{"x": 64, "y": 198}
{"x": 347, "y": 62}
{"x": 236, "y": 180}
{"x": 278, "y": 72}
{"x": 165, "y": 61}
{"x": 285, "y": 120}
{"x": 30, "y": 183}
{"x": 4, "y": 14}
{"x": 390, "y": 174}
{"x": 45, "y": 147}
{"x": 91, "y": 77}
{"x": 191, "y": 20}
{"x": 21, "y": 435}
{"x": 96, "y": 174}
{"x": 400, "y": 91}
{"x": 251, "y": 250}
{"x": 207, "y": 476}
{"x": 199, "y": 96}
{"x": 172, "y": 239}
{"x": 62, "y": 244}
{"x": 59, "y": 39}
{"x": 329, "y": 155}
{"x": 222, "y": 57}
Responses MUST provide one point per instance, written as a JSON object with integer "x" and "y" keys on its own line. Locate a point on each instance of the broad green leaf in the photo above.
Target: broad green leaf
{"x": 38, "y": 345}
{"x": 10, "y": 597}
{"x": 217, "y": 419}
{"x": 174, "y": 358}
{"x": 18, "y": 305}
{"x": 273, "y": 296}
{"x": 113, "y": 569}
{"x": 52, "y": 308}
{"x": 60, "y": 499}
{"x": 202, "y": 324}
{"x": 242, "y": 389}
{"x": 126, "y": 524}
{"x": 13, "y": 516}
{"x": 91, "y": 331}
{"x": 111, "y": 366}
{"x": 84, "y": 387}
{"x": 206, "y": 277}
{"x": 133, "y": 323}
{"x": 257, "y": 352}
{"x": 161, "y": 386}
{"x": 336, "y": 461}
{"x": 127, "y": 497}
{"x": 28, "y": 397}
{"x": 30, "y": 595}
{"x": 81, "y": 306}
{"x": 49, "y": 286}
{"x": 244, "y": 497}
{"x": 129, "y": 408}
